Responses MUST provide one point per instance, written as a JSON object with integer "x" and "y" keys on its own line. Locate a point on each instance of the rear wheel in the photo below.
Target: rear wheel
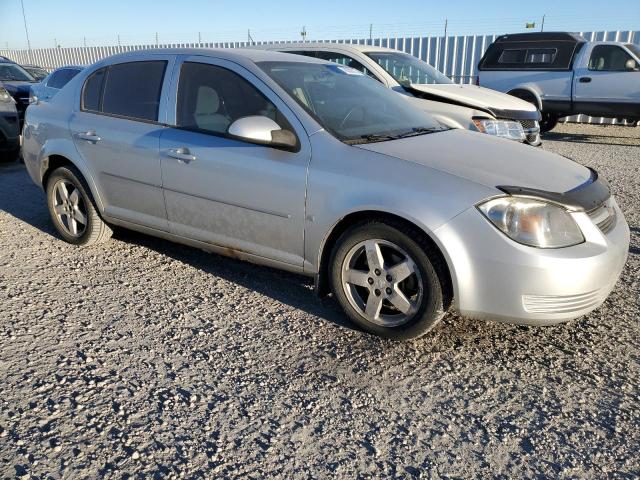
{"x": 548, "y": 122}
{"x": 387, "y": 280}
{"x": 72, "y": 208}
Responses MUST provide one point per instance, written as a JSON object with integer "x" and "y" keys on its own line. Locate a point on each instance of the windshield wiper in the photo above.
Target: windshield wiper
{"x": 371, "y": 139}
{"x": 421, "y": 131}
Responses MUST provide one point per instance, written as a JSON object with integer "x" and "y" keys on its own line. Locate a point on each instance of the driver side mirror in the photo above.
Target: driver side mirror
{"x": 263, "y": 131}
{"x": 631, "y": 65}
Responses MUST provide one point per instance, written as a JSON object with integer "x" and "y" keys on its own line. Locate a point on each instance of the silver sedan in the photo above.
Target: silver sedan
{"x": 315, "y": 168}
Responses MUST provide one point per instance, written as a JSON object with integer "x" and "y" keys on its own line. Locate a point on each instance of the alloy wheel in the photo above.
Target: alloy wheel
{"x": 69, "y": 208}
{"x": 382, "y": 282}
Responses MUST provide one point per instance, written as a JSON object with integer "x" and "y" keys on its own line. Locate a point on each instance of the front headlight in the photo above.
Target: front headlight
{"x": 5, "y": 96}
{"x": 500, "y": 128}
{"x": 532, "y": 222}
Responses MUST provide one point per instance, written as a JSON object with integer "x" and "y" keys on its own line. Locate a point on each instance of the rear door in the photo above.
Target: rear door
{"x": 117, "y": 132}
{"x": 605, "y": 85}
{"x": 230, "y": 193}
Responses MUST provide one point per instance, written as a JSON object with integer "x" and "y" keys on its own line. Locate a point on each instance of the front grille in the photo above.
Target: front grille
{"x": 604, "y": 217}
{"x": 531, "y": 131}
{"x": 561, "y": 303}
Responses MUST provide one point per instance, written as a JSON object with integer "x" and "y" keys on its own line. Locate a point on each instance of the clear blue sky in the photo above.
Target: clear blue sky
{"x": 69, "y": 22}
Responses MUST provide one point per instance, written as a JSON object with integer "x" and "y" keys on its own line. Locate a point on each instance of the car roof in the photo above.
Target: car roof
{"x": 352, "y": 47}
{"x": 239, "y": 55}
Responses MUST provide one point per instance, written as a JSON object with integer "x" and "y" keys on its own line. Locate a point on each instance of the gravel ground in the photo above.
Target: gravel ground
{"x": 145, "y": 359}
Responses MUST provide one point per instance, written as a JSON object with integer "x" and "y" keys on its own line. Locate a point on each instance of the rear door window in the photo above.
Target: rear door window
{"x": 133, "y": 89}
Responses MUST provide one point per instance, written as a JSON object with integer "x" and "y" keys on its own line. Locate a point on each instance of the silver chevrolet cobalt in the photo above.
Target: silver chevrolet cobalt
{"x": 315, "y": 168}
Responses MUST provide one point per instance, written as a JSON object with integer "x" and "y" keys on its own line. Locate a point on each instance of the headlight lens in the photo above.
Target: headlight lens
{"x": 4, "y": 96}
{"x": 533, "y": 222}
{"x": 500, "y": 128}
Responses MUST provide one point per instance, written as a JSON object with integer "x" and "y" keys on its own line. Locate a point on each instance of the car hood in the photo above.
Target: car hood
{"x": 17, "y": 87}
{"x": 487, "y": 160}
{"x": 500, "y": 104}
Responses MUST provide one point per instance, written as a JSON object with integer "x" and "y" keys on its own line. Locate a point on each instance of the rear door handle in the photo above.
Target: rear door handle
{"x": 183, "y": 155}
{"x": 89, "y": 136}
{"x": 585, "y": 80}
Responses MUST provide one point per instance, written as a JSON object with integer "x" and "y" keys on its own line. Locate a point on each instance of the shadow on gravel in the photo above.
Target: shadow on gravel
{"x": 291, "y": 289}
{"x": 21, "y": 198}
{"x": 591, "y": 139}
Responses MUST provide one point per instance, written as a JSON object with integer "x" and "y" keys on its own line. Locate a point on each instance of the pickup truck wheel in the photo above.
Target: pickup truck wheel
{"x": 72, "y": 209}
{"x": 386, "y": 280}
{"x": 548, "y": 122}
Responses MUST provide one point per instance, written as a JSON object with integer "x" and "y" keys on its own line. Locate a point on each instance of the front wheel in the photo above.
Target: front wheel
{"x": 548, "y": 122}
{"x": 388, "y": 280}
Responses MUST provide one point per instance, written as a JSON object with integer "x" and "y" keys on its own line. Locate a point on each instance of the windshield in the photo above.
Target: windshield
{"x": 634, "y": 49}
{"x": 10, "y": 72}
{"x": 407, "y": 69}
{"x": 37, "y": 72}
{"x": 348, "y": 104}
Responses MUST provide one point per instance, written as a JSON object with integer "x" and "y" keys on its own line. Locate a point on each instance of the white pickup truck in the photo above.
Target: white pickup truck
{"x": 563, "y": 74}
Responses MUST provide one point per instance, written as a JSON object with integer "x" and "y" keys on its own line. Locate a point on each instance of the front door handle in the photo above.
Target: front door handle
{"x": 585, "y": 80}
{"x": 183, "y": 155}
{"x": 89, "y": 136}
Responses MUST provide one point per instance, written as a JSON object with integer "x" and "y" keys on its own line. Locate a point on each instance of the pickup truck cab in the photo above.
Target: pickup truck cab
{"x": 563, "y": 74}
{"x": 458, "y": 106}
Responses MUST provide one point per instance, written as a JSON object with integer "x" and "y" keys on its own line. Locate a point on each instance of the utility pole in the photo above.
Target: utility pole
{"x": 250, "y": 38}
{"x": 26, "y": 30}
{"x": 118, "y": 39}
{"x": 84, "y": 40}
{"x": 446, "y": 24}
{"x": 303, "y": 33}
{"x": 199, "y": 38}
{"x": 156, "y": 39}
{"x": 542, "y": 26}
{"x": 370, "y": 31}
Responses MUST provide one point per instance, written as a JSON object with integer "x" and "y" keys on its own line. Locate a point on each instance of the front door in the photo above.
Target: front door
{"x": 226, "y": 192}
{"x": 607, "y": 86}
{"x": 116, "y": 130}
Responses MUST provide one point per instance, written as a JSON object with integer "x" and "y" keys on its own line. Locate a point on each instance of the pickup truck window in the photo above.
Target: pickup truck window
{"x": 608, "y": 58}
{"x": 536, "y": 56}
{"x": 634, "y": 49}
{"x": 513, "y": 56}
{"x": 541, "y": 55}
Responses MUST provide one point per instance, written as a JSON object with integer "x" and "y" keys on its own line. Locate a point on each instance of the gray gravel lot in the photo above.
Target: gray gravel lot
{"x": 145, "y": 359}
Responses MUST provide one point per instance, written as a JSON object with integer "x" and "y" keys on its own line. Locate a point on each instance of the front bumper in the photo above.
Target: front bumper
{"x": 497, "y": 278}
{"x": 9, "y": 130}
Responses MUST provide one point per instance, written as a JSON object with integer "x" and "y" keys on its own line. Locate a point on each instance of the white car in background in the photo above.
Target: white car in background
{"x": 460, "y": 106}
{"x": 52, "y": 83}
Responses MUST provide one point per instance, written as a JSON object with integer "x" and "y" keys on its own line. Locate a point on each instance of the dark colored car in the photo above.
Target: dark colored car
{"x": 9, "y": 127}
{"x": 17, "y": 81}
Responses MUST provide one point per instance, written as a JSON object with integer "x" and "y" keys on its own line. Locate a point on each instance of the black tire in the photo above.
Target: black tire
{"x": 548, "y": 122}
{"x": 96, "y": 230}
{"x": 435, "y": 297}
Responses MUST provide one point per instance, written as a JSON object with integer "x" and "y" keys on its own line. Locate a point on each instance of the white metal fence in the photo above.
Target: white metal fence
{"x": 456, "y": 56}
